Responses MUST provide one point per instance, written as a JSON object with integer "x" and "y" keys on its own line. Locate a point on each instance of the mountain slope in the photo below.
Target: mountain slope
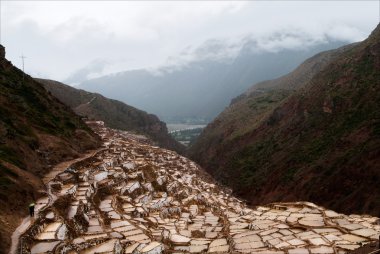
{"x": 114, "y": 113}
{"x": 201, "y": 89}
{"x": 250, "y": 108}
{"x": 36, "y": 131}
{"x": 320, "y": 143}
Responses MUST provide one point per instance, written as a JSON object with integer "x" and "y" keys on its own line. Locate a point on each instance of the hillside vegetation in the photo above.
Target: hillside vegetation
{"x": 311, "y": 135}
{"x": 114, "y": 113}
{"x": 36, "y": 132}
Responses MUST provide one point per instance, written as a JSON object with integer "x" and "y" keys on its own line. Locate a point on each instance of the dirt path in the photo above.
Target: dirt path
{"x": 59, "y": 168}
{"x": 64, "y": 165}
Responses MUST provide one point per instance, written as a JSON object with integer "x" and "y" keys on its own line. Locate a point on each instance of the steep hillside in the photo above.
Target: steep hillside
{"x": 199, "y": 90}
{"x": 114, "y": 113}
{"x": 320, "y": 143}
{"x": 250, "y": 108}
{"x": 36, "y": 131}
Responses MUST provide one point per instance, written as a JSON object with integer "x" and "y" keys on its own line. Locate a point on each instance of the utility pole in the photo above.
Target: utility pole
{"x": 23, "y": 62}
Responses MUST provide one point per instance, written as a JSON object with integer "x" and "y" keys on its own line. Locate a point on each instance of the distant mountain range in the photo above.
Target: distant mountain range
{"x": 200, "y": 89}
{"x": 36, "y": 132}
{"x": 114, "y": 113}
{"x": 313, "y": 134}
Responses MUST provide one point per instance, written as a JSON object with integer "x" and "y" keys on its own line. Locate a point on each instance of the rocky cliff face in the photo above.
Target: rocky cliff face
{"x": 36, "y": 131}
{"x": 114, "y": 113}
{"x": 311, "y": 135}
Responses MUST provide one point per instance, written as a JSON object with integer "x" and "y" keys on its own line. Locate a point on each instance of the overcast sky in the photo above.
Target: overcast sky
{"x": 71, "y": 39}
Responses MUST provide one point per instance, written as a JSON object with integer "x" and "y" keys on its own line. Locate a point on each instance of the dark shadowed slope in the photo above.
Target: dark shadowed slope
{"x": 114, "y": 113}
{"x": 36, "y": 132}
{"x": 319, "y": 143}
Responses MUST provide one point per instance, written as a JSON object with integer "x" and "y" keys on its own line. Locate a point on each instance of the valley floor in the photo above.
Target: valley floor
{"x": 131, "y": 197}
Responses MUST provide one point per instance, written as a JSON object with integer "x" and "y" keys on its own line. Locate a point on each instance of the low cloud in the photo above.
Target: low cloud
{"x": 93, "y": 69}
{"x": 227, "y": 49}
{"x": 60, "y": 37}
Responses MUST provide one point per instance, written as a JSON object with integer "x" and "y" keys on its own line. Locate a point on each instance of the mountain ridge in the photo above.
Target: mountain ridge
{"x": 304, "y": 143}
{"x": 114, "y": 113}
{"x": 199, "y": 90}
{"x": 259, "y": 99}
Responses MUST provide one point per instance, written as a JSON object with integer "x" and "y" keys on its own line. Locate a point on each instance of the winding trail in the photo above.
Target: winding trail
{"x": 59, "y": 168}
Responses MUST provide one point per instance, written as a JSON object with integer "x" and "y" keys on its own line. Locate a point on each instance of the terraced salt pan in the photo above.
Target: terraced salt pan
{"x": 171, "y": 208}
{"x": 46, "y": 236}
{"x": 299, "y": 251}
{"x": 322, "y": 250}
{"x": 367, "y": 232}
{"x": 152, "y": 248}
{"x": 104, "y": 247}
{"x": 43, "y": 247}
{"x": 352, "y": 238}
